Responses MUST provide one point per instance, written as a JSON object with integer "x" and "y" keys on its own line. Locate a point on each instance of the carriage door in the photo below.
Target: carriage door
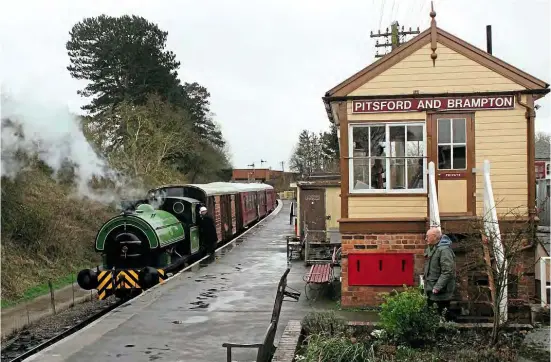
{"x": 453, "y": 156}
{"x": 312, "y": 214}
{"x": 225, "y": 211}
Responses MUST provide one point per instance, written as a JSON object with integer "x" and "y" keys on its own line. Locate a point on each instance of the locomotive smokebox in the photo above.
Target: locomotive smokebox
{"x": 87, "y": 279}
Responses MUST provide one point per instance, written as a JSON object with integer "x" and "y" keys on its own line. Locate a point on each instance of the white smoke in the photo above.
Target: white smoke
{"x": 55, "y": 136}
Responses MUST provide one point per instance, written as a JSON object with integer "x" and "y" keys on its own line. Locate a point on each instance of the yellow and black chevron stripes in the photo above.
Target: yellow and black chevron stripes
{"x": 105, "y": 282}
{"x": 162, "y": 276}
{"x": 109, "y": 280}
{"x": 127, "y": 279}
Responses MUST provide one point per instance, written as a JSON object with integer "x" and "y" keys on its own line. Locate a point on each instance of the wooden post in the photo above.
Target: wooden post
{"x": 52, "y": 299}
{"x": 73, "y": 287}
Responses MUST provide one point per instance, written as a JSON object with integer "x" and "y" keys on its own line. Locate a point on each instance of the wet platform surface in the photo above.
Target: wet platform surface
{"x": 188, "y": 319}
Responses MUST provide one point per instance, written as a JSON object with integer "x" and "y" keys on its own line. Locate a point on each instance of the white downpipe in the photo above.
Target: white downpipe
{"x": 433, "y": 198}
{"x": 544, "y": 261}
{"x": 491, "y": 227}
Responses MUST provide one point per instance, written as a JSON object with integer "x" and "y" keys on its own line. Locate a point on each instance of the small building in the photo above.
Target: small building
{"x": 258, "y": 174}
{"x": 543, "y": 181}
{"x": 280, "y": 180}
{"x": 543, "y": 160}
{"x": 317, "y": 215}
{"x": 434, "y": 98}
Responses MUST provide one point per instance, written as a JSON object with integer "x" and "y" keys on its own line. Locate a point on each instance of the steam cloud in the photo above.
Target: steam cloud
{"x": 55, "y": 136}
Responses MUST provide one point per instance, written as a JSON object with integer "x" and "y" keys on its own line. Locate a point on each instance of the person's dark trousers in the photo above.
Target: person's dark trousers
{"x": 211, "y": 249}
{"x": 441, "y": 305}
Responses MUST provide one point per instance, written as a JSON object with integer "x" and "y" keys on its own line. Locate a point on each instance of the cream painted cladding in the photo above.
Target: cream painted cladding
{"x": 453, "y": 73}
{"x": 333, "y": 207}
{"x": 500, "y": 135}
{"x": 374, "y": 207}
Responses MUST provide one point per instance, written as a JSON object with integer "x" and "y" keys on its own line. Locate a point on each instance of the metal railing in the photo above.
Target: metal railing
{"x": 491, "y": 229}
{"x": 544, "y": 261}
{"x": 433, "y": 198}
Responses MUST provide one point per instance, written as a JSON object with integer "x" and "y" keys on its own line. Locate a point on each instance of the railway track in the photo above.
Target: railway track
{"x": 26, "y": 343}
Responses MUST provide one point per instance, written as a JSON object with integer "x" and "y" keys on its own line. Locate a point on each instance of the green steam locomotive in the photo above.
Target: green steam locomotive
{"x": 156, "y": 236}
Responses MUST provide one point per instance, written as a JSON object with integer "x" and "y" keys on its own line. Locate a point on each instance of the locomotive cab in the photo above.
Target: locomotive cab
{"x": 185, "y": 210}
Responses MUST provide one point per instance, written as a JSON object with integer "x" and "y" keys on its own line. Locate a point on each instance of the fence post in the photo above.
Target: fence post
{"x": 52, "y": 298}
{"x": 73, "y": 287}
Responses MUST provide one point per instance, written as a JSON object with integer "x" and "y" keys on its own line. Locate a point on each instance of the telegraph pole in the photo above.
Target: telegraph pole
{"x": 282, "y": 166}
{"x": 397, "y": 37}
{"x": 252, "y": 165}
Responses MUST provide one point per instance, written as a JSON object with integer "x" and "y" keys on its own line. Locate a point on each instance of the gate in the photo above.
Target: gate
{"x": 542, "y": 204}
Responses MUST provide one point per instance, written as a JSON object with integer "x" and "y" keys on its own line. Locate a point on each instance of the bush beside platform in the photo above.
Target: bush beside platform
{"x": 408, "y": 331}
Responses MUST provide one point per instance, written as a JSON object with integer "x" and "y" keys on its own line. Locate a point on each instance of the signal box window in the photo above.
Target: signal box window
{"x": 452, "y": 144}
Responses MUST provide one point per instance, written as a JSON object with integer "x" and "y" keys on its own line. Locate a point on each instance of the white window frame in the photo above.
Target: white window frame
{"x": 387, "y": 189}
{"x": 451, "y": 143}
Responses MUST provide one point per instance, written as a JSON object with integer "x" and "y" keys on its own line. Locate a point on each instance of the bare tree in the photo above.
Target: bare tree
{"x": 499, "y": 252}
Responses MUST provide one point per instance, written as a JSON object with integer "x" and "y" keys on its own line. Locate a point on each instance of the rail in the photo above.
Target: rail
{"x": 6, "y": 352}
{"x": 491, "y": 229}
{"x": 544, "y": 261}
{"x": 433, "y": 198}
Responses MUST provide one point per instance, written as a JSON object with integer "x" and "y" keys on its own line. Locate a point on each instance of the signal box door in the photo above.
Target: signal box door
{"x": 453, "y": 153}
{"x": 312, "y": 214}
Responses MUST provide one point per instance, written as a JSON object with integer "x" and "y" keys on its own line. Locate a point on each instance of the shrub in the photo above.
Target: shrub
{"x": 406, "y": 318}
{"x": 324, "y": 323}
{"x": 322, "y": 348}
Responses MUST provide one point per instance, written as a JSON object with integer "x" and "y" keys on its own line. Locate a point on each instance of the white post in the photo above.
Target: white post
{"x": 491, "y": 227}
{"x": 433, "y": 198}
{"x": 543, "y": 282}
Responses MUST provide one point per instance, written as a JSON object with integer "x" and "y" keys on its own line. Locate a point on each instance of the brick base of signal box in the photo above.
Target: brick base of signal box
{"x": 409, "y": 245}
{"x": 410, "y": 248}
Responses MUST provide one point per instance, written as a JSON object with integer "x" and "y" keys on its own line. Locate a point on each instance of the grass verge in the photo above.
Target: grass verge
{"x": 46, "y": 235}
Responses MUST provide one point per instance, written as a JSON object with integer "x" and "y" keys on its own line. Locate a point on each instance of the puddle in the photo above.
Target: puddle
{"x": 129, "y": 345}
{"x": 195, "y": 319}
{"x": 199, "y": 305}
{"x": 225, "y": 299}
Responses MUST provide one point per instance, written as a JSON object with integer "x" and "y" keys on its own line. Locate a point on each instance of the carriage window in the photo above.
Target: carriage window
{"x": 452, "y": 144}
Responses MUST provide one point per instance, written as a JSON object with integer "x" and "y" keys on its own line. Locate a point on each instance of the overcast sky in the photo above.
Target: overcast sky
{"x": 267, "y": 63}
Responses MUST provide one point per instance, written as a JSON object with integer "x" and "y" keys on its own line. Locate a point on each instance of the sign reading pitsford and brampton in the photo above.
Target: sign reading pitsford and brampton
{"x": 436, "y": 103}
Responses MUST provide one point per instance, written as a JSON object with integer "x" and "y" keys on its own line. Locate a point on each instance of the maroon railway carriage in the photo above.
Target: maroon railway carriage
{"x": 257, "y": 200}
{"x": 233, "y": 206}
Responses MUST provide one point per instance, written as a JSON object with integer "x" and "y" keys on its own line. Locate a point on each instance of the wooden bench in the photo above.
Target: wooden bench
{"x": 266, "y": 349}
{"x": 320, "y": 275}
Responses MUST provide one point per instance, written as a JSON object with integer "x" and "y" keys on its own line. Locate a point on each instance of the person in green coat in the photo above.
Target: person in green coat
{"x": 439, "y": 272}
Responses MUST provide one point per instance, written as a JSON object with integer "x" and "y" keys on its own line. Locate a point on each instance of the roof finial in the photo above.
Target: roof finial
{"x": 433, "y": 34}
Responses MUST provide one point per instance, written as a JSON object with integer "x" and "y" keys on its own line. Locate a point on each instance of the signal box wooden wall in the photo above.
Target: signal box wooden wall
{"x": 435, "y": 98}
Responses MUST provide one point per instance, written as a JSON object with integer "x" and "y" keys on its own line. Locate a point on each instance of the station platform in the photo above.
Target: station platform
{"x": 188, "y": 318}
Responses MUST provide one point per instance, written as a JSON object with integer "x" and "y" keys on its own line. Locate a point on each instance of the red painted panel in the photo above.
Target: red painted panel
{"x": 380, "y": 269}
